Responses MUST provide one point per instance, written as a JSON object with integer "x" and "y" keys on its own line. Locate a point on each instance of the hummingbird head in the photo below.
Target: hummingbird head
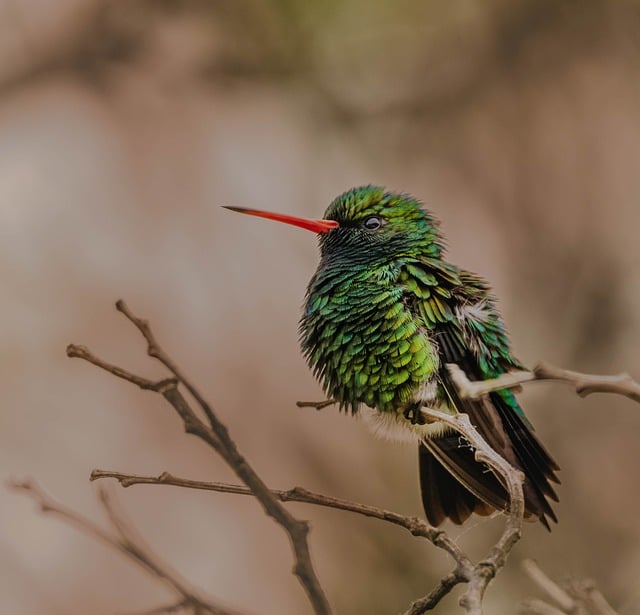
{"x": 368, "y": 224}
{"x": 375, "y": 223}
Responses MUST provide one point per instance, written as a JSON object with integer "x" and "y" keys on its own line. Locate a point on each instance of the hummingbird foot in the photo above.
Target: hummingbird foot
{"x": 413, "y": 414}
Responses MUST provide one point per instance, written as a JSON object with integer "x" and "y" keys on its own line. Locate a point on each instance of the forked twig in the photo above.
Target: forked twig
{"x": 217, "y": 436}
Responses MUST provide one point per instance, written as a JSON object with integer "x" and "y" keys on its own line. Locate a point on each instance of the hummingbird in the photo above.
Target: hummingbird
{"x": 384, "y": 314}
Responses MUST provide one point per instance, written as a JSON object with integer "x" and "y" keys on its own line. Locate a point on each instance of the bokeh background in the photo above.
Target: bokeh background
{"x": 123, "y": 128}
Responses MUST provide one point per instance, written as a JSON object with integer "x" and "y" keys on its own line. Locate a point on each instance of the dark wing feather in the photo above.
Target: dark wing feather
{"x": 497, "y": 417}
{"x": 443, "y": 495}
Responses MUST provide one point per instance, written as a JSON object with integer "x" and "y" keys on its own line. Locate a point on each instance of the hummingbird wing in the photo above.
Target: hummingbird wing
{"x": 467, "y": 327}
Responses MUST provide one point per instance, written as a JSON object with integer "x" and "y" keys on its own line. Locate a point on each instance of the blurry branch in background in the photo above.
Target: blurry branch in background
{"x": 217, "y": 437}
{"x": 585, "y": 384}
{"x": 125, "y": 541}
{"x": 570, "y": 598}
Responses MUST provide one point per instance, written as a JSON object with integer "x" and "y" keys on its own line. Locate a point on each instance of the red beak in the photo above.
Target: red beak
{"x": 317, "y": 226}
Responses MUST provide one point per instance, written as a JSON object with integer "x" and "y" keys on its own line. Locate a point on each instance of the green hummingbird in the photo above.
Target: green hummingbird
{"x": 384, "y": 313}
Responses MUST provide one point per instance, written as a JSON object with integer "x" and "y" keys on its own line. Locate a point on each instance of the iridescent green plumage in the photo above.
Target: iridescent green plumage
{"x": 384, "y": 314}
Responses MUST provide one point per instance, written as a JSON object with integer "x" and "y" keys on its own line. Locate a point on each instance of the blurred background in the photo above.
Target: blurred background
{"x": 123, "y": 128}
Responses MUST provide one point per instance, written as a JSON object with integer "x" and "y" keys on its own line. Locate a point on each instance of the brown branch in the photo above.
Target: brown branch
{"x": 486, "y": 569}
{"x": 547, "y": 585}
{"x": 160, "y": 610}
{"x": 431, "y": 600}
{"x": 534, "y": 606}
{"x": 126, "y": 543}
{"x": 416, "y": 526}
{"x": 477, "y": 576}
{"x": 318, "y": 405}
{"x": 584, "y": 384}
{"x": 217, "y": 436}
{"x": 575, "y": 598}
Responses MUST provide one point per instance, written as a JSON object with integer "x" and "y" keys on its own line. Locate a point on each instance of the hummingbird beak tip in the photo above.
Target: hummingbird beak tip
{"x": 316, "y": 226}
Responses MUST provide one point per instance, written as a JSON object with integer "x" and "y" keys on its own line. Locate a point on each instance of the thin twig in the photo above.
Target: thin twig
{"x": 415, "y": 525}
{"x": 161, "y": 610}
{"x": 431, "y": 600}
{"x": 318, "y": 405}
{"x": 535, "y": 606}
{"x": 584, "y": 384}
{"x": 575, "y": 598}
{"x": 217, "y": 436}
{"x": 547, "y": 585}
{"x": 125, "y": 543}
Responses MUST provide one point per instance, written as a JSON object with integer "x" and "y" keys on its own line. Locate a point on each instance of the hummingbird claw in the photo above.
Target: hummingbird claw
{"x": 412, "y": 413}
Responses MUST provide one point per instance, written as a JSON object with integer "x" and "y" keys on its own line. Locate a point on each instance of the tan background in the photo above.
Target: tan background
{"x": 124, "y": 126}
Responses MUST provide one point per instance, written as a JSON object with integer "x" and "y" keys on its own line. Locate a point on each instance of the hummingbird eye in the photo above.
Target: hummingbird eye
{"x": 372, "y": 223}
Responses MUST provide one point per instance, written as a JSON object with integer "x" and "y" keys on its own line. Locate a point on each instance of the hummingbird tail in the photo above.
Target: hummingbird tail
{"x": 443, "y": 495}
{"x": 454, "y": 484}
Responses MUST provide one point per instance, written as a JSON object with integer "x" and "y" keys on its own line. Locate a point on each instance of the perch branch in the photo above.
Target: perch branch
{"x": 584, "y": 384}
{"x": 217, "y": 437}
{"x": 126, "y": 543}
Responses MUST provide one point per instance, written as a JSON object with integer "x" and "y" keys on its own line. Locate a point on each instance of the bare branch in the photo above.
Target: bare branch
{"x": 154, "y": 350}
{"x": 416, "y": 526}
{"x": 475, "y": 389}
{"x": 431, "y": 600}
{"x": 160, "y": 610}
{"x": 217, "y": 436}
{"x": 575, "y": 598}
{"x": 585, "y": 384}
{"x": 125, "y": 543}
{"x": 318, "y": 405}
{"x": 534, "y": 606}
{"x": 75, "y": 351}
{"x": 548, "y": 586}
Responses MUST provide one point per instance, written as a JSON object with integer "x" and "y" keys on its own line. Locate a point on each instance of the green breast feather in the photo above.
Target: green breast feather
{"x": 363, "y": 342}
